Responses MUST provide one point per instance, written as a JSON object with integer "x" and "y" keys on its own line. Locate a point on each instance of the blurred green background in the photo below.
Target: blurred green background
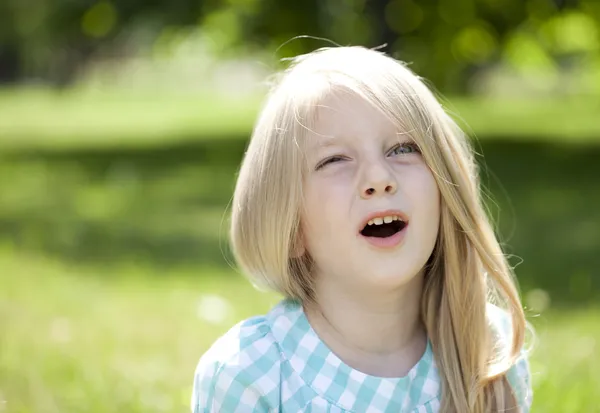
{"x": 122, "y": 125}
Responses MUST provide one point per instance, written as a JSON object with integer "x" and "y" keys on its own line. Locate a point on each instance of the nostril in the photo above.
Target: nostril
{"x": 388, "y": 188}
{"x": 370, "y": 191}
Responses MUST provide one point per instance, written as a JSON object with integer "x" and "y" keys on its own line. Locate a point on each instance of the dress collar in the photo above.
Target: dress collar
{"x": 339, "y": 383}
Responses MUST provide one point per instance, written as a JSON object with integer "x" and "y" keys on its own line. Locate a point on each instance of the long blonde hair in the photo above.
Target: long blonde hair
{"x": 467, "y": 270}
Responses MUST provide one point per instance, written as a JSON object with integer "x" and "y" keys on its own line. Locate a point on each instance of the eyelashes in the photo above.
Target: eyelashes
{"x": 404, "y": 148}
{"x": 329, "y": 160}
{"x": 409, "y": 146}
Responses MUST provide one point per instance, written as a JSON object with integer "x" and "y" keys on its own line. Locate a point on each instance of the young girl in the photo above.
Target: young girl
{"x": 358, "y": 200}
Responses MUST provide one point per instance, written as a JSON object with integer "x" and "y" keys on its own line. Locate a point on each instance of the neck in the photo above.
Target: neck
{"x": 379, "y": 334}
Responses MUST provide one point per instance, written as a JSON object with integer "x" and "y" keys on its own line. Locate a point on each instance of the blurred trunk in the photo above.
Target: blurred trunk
{"x": 10, "y": 64}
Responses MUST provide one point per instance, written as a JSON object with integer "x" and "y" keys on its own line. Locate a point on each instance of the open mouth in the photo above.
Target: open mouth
{"x": 383, "y": 227}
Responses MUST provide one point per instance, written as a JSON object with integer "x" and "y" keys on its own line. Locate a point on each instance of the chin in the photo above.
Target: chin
{"x": 388, "y": 279}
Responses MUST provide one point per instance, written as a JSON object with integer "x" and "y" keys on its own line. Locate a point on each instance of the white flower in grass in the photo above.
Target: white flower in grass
{"x": 214, "y": 309}
{"x": 60, "y": 330}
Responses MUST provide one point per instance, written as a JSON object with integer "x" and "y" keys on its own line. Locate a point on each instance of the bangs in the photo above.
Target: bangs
{"x": 391, "y": 95}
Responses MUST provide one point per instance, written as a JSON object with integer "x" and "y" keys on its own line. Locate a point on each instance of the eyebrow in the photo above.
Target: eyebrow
{"x": 332, "y": 140}
{"x": 328, "y": 141}
{"x": 325, "y": 142}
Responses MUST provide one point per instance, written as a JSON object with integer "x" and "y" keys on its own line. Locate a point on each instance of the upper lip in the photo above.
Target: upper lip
{"x": 381, "y": 214}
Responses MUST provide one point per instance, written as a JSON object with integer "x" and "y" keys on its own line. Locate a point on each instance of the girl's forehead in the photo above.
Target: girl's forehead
{"x": 344, "y": 115}
{"x": 340, "y": 102}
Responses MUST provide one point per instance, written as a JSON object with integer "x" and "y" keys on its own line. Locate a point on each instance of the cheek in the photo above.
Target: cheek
{"x": 313, "y": 217}
{"x": 325, "y": 196}
{"x": 425, "y": 196}
{"x": 324, "y": 206}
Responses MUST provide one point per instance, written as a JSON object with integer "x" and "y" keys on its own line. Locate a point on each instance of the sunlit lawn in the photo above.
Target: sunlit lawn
{"x": 121, "y": 340}
{"x": 79, "y": 119}
{"x": 126, "y": 339}
{"x": 148, "y": 182}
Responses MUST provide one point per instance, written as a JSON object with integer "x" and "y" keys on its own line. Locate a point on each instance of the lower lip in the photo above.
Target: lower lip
{"x": 387, "y": 242}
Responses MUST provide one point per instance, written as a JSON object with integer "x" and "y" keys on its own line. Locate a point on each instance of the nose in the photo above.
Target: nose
{"x": 377, "y": 181}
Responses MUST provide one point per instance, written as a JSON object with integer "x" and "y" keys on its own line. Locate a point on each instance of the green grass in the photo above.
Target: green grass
{"x": 169, "y": 206}
{"x": 38, "y": 119}
{"x": 74, "y": 119}
{"x": 572, "y": 120}
{"x": 75, "y": 340}
{"x": 566, "y": 360}
{"x": 113, "y": 224}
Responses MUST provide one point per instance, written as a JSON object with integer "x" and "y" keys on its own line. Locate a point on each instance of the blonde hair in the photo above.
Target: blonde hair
{"x": 467, "y": 270}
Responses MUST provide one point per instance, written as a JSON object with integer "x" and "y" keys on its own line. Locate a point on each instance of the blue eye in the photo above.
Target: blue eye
{"x": 404, "y": 148}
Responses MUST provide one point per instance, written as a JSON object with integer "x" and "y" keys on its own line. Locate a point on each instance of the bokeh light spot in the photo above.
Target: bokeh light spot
{"x": 475, "y": 44}
{"x": 99, "y": 20}
{"x": 537, "y": 300}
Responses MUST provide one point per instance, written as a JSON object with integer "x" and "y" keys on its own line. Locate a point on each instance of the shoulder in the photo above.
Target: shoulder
{"x": 519, "y": 374}
{"x": 239, "y": 372}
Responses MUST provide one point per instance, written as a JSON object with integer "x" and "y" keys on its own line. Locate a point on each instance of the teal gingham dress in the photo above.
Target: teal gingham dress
{"x": 277, "y": 363}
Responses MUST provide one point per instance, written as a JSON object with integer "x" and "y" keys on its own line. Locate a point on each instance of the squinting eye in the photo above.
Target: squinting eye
{"x": 328, "y": 161}
{"x": 405, "y": 148}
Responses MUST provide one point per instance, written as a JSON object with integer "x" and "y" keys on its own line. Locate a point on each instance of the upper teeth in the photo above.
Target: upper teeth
{"x": 380, "y": 220}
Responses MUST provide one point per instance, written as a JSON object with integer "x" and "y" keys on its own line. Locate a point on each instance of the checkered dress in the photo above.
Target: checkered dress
{"x": 277, "y": 363}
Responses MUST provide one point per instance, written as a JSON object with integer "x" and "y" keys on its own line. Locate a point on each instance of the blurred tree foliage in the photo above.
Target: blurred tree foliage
{"x": 445, "y": 40}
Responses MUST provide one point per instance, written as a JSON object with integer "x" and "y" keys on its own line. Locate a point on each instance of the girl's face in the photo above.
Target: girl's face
{"x": 372, "y": 206}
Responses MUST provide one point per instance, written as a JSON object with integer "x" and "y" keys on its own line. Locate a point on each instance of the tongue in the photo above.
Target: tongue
{"x": 380, "y": 231}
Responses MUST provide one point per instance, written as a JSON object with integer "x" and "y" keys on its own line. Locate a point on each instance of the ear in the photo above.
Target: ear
{"x": 298, "y": 246}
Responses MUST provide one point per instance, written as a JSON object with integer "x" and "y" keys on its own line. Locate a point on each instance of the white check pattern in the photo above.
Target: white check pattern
{"x": 277, "y": 363}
